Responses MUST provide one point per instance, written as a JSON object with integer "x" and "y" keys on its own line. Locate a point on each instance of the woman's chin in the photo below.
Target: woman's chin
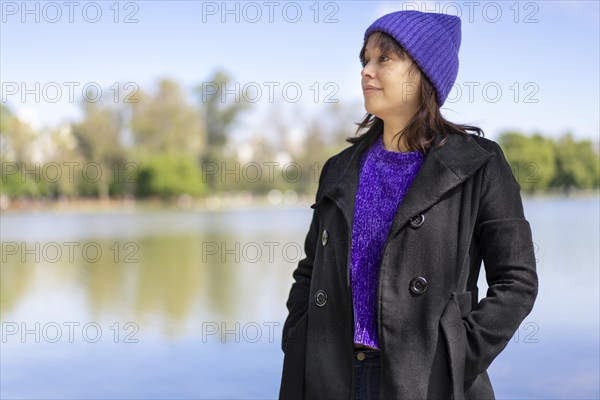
{"x": 369, "y": 108}
{"x": 373, "y": 112}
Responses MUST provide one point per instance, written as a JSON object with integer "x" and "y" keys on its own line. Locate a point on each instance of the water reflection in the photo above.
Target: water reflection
{"x": 205, "y": 293}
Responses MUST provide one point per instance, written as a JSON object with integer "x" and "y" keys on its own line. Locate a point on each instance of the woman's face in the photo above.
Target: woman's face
{"x": 388, "y": 89}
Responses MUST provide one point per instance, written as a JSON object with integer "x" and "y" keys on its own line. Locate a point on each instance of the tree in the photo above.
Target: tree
{"x": 578, "y": 166}
{"x": 532, "y": 159}
{"x": 219, "y": 114}
{"x": 169, "y": 175}
{"x": 20, "y": 176}
{"x": 16, "y": 137}
{"x": 165, "y": 122}
{"x": 98, "y": 137}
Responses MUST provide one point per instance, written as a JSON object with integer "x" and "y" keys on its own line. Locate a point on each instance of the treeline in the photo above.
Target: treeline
{"x": 165, "y": 145}
{"x": 540, "y": 163}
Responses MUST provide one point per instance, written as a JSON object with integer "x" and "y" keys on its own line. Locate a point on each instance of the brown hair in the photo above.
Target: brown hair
{"x": 427, "y": 121}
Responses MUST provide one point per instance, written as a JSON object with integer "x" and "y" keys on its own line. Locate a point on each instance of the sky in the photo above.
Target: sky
{"x": 532, "y": 66}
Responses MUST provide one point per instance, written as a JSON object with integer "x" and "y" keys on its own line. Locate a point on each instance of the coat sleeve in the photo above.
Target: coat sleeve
{"x": 297, "y": 303}
{"x": 505, "y": 241}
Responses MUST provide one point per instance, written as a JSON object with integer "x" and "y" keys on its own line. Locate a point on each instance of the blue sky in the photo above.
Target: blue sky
{"x": 543, "y": 56}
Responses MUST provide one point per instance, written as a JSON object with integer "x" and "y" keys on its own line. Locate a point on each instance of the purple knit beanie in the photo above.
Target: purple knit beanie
{"x": 431, "y": 39}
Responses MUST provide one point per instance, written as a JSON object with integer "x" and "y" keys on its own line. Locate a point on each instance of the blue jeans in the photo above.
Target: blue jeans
{"x": 367, "y": 373}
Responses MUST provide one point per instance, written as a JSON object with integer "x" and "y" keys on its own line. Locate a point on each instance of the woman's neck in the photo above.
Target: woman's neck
{"x": 391, "y": 128}
{"x": 391, "y": 143}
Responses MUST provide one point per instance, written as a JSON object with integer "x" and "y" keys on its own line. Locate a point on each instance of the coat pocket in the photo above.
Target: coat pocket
{"x": 465, "y": 301}
{"x": 294, "y": 361}
{"x": 452, "y": 324}
{"x": 298, "y": 331}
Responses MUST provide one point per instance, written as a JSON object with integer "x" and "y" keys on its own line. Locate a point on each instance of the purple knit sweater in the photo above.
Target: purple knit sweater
{"x": 385, "y": 177}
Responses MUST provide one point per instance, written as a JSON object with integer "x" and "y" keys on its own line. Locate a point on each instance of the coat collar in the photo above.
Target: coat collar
{"x": 442, "y": 170}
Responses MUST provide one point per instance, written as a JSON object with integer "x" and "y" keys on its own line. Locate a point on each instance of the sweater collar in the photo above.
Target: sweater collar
{"x": 378, "y": 150}
{"x": 442, "y": 169}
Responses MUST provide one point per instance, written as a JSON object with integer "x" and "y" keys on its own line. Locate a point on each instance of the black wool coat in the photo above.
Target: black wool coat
{"x": 436, "y": 337}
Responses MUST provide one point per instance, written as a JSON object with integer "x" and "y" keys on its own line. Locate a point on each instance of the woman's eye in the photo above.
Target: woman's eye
{"x": 381, "y": 58}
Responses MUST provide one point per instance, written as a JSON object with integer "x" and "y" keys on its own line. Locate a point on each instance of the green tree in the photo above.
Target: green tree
{"x": 532, "y": 159}
{"x": 17, "y": 137}
{"x": 20, "y": 175}
{"x": 98, "y": 137}
{"x": 577, "y": 164}
{"x": 168, "y": 175}
{"x": 165, "y": 122}
{"x": 63, "y": 166}
{"x": 220, "y": 108}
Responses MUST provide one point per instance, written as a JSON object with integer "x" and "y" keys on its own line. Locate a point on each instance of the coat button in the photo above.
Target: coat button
{"x": 360, "y": 356}
{"x": 417, "y": 220}
{"x": 418, "y": 285}
{"x": 321, "y": 298}
{"x": 324, "y": 237}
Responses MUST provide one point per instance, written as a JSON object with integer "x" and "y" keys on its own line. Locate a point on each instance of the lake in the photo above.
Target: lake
{"x": 190, "y": 304}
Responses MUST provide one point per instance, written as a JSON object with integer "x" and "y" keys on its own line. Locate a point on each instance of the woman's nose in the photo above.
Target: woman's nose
{"x": 366, "y": 71}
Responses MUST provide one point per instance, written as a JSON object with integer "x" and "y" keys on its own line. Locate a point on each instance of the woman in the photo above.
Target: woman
{"x": 385, "y": 304}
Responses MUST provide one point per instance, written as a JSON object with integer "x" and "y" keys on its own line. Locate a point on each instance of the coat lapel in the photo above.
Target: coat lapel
{"x": 341, "y": 181}
{"x": 442, "y": 170}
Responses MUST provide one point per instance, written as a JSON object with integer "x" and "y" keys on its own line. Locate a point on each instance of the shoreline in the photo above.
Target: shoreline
{"x": 225, "y": 202}
{"x": 127, "y": 205}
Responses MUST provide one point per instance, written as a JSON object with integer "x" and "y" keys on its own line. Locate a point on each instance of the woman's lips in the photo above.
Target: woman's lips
{"x": 370, "y": 89}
